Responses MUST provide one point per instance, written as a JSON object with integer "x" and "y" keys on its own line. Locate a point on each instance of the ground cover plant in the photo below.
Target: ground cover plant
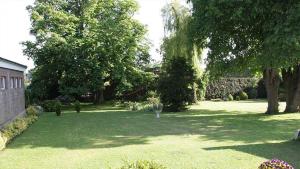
{"x": 215, "y": 135}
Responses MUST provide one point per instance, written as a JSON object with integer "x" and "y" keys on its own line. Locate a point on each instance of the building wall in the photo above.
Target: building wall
{"x": 12, "y": 100}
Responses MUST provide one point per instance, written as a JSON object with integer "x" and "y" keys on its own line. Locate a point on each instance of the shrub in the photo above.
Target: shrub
{"x": 223, "y": 87}
{"x": 252, "y": 93}
{"x": 32, "y": 110}
{"x": 49, "y": 105}
{"x": 275, "y": 164}
{"x": 237, "y": 98}
{"x": 15, "y": 128}
{"x": 243, "y": 96}
{"x": 58, "y": 108}
{"x": 135, "y": 106}
{"x": 153, "y": 100}
{"x": 142, "y": 165}
{"x": 77, "y": 106}
{"x": 230, "y": 97}
{"x": 175, "y": 85}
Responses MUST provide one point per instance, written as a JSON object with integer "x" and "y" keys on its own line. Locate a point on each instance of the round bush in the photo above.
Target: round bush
{"x": 237, "y": 98}
{"x": 243, "y": 96}
{"x": 58, "y": 108}
{"x": 230, "y": 97}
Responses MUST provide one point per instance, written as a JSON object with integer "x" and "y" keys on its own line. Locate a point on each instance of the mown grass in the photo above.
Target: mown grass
{"x": 212, "y": 135}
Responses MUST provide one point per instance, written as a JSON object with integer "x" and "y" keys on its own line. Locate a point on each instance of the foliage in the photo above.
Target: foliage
{"x": 237, "y": 98}
{"x": 202, "y": 84}
{"x": 32, "y": 110}
{"x": 243, "y": 96}
{"x": 15, "y": 128}
{"x": 252, "y": 93}
{"x": 237, "y": 44}
{"x": 223, "y": 87}
{"x": 58, "y": 107}
{"x": 49, "y": 105}
{"x": 254, "y": 36}
{"x": 175, "y": 85}
{"x": 2, "y": 142}
{"x": 178, "y": 42}
{"x": 77, "y": 106}
{"x": 137, "y": 85}
{"x": 80, "y": 46}
{"x": 142, "y": 164}
{"x": 275, "y": 164}
{"x": 230, "y": 97}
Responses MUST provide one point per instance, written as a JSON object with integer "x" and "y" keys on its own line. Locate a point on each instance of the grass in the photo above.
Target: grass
{"x": 212, "y": 135}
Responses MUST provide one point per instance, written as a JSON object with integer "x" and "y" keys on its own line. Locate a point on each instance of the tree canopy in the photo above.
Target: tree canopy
{"x": 83, "y": 45}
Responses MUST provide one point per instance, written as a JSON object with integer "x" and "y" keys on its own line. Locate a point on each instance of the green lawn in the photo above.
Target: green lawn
{"x": 212, "y": 135}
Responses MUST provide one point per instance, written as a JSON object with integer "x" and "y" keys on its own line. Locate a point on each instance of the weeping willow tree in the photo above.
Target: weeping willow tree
{"x": 178, "y": 41}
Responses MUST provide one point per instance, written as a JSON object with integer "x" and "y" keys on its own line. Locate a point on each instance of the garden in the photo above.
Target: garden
{"x": 97, "y": 99}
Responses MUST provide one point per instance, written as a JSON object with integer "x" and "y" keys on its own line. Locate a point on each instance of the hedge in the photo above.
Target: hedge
{"x": 17, "y": 127}
{"x": 225, "y": 86}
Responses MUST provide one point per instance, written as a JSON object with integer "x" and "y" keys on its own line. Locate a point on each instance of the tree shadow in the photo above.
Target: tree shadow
{"x": 287, "y": 151}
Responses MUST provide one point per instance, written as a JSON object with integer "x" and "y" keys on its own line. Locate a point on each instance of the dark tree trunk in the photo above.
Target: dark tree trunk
{"x": 99, "y": 97}
{"x": 272, "y": 81}
{"x": 290, "y": 83}
{"x": 295, "y": 102}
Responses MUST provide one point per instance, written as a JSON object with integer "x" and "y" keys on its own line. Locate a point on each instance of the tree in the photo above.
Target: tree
{"x": 178, "y": 41}
{"x": 175, "y": 84}
{"x": 81, "y": 45}
{"x": 251, "y": 35}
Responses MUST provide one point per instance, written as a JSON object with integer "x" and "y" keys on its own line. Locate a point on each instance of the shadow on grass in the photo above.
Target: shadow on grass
{"x": 287, "y": 151}
{"x": 112, "y": 127}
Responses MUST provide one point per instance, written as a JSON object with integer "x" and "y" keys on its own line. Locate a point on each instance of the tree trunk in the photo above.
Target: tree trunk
{"x": 195, "y": 98}
{"x": 98, "y": 97}
{"x": 272, "y": 81}
{"x": 290, "y": 83}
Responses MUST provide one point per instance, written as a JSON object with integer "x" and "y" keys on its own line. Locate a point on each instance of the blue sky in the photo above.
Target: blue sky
{"x": 15, "y": 24}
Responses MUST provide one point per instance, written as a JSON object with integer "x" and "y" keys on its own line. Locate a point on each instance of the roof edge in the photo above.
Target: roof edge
{"x": 12, "y": 62}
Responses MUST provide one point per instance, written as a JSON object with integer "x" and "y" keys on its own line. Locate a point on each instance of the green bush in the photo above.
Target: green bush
{"x": 77, "y": 106}
{"x": 223, "y": 87}
{"x": 243, "y": 96}
{"x": 3, "y": 141}
{"x": 49, "y": 105}
{"x": 237, "y": 98}
{"x": 175, "y": 85}
{"x": 15, "y": 128}
{"x": 143, "y": 165}
{"x": 32, "y": 110}
{"x": 230, "y": 97}
{"x": 135, "y": 106}
{"x": 58, "y": 108}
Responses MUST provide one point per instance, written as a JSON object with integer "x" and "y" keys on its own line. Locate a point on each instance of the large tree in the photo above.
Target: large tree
{"x": 258, "y": 35}
{"x": 82, "y": 45}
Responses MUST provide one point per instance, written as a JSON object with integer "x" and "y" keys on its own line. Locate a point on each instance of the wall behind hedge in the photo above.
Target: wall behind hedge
{"x": 223, "y": 87}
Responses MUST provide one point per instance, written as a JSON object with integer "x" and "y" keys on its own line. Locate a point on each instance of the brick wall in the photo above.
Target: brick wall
{"x": 12, "y": 99}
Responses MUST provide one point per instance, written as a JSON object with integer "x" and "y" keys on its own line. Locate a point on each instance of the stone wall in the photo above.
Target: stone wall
{"x": 12, "y": 99}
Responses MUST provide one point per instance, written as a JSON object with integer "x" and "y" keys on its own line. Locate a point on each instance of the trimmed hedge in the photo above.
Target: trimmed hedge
{"x": 15, "y": 128}
{"x": 225, "y": 86}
